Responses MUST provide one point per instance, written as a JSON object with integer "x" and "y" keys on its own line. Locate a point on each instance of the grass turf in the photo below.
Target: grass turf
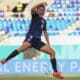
{"x": 37, "y": 77}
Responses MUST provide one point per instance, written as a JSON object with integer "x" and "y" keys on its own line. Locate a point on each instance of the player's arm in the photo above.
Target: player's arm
{"x": 46, "y": 37}
{"x": 34, "y": 9}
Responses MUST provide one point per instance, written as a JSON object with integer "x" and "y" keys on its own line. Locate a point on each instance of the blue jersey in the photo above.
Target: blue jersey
{"x": 38, "y": 24}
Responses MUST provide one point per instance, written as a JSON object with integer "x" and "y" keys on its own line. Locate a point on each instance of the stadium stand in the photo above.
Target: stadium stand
{"x": 11, "y": 3}
{"x": 65, "y": 22}
{"x": 67, "y": 19}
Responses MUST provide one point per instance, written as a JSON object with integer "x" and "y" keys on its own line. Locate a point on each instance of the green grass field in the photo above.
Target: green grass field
{"x": 37, "y": 77}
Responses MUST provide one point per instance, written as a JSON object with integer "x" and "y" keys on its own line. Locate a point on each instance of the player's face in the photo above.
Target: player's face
{"x": 41, "y": 11}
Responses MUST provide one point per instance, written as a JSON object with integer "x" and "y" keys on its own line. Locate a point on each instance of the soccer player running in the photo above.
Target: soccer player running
{"x": 33, "y": 38}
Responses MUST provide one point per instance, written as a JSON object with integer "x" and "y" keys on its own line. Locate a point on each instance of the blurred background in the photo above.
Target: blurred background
{"x": 63, "y": 26}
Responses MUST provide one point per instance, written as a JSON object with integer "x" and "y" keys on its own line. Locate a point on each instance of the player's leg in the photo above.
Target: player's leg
{"x": 51, "y": 52}
{"x": 45, "y": 48}
{"x": 24, "y": 46}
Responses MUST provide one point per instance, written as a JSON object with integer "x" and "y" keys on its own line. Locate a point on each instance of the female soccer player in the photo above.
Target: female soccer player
{"x": 33, "y": 38}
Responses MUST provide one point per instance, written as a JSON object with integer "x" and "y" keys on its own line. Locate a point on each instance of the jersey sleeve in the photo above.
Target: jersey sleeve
{"x": 44, "y": 28}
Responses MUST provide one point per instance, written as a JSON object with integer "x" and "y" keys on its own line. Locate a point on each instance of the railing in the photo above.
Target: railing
{"x": 72, "y": 37}
{"x": 50, "y": 33}
{"x": 10, "y": 14}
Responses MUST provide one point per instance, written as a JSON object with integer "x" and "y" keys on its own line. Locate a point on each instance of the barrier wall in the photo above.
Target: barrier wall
{"x": 39, "y": 67}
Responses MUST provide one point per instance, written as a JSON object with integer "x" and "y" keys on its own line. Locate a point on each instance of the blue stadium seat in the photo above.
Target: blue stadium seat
{"x": 58, "y": 24}
{"x": 1, "y": 24}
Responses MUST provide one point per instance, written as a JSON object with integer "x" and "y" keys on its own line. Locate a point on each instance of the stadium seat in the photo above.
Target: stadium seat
{"x": 65, "y": 19}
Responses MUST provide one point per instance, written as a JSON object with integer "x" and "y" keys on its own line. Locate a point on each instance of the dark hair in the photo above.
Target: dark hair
{"x": 41, "y": 5}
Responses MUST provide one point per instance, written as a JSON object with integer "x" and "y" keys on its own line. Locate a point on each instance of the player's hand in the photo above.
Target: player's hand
{"x": 44, "y": 3}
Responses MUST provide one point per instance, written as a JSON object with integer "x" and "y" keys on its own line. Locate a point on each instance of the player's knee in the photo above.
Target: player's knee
{"x": 52, "y": 54}
{"x": 20, "y": 50}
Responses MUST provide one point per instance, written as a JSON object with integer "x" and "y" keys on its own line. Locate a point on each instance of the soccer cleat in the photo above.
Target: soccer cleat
{"x": 58, "y": 75}
{"x": 3, "y": 61}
